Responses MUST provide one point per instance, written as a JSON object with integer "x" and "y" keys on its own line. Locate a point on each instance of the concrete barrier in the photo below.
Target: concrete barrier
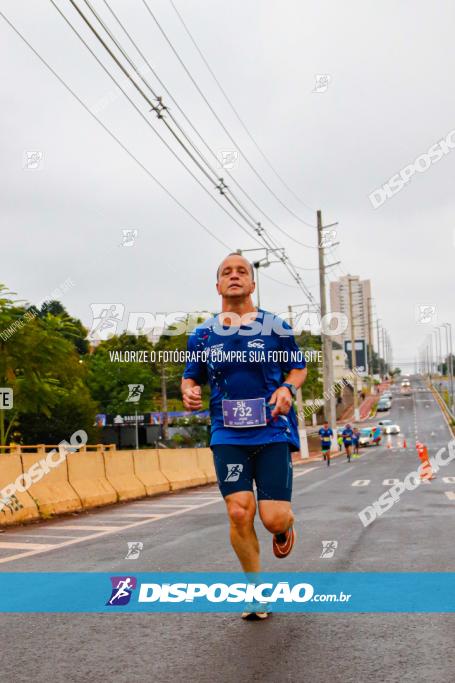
{"x": 206, "y": 464}
{"x": 120, "y": 474}
{"x": 53, "y": 494}
{"x": 87, "y": 476}
{"x": 10, "y": 469}
{"x": 147, "y": 470}
{"x": 180, "y": 467}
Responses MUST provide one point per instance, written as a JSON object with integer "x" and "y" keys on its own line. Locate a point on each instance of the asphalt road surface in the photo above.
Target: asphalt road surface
{"x": 189, "y": 531}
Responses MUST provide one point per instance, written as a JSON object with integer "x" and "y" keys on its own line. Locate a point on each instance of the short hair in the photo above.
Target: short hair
{"x": 234, "y": 253}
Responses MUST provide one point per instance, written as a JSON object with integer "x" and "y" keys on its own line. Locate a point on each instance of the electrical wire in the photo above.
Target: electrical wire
{"x": 137, "y": 108}
{"x": 250, "y": 165}
{"x": 266, "y": 239}
{"x": 182, "y": 131}
{"x": 242, "y": 123}
{"x": 110, "y": 133}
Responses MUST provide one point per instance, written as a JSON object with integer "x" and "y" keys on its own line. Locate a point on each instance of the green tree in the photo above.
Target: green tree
{"x": 108, "y": 379}
{"x": 38, "y": 363}
{"x": 71, "y": 328}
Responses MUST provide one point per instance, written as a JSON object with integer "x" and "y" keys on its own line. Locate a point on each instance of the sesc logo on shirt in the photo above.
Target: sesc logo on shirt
{"x": 256, "y": 344}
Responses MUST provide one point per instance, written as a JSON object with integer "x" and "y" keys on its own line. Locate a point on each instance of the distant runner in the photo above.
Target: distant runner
{"x": 355, "y": 441}
{"x": 376, "y": 436}
{"x": 326, "y": 435}
{"x": 253, "y": 423}
{"x": 347, "y": 440}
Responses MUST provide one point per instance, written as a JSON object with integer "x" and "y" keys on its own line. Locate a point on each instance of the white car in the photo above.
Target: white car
{"x": 384, "y": 423}
{"x": 391, "y": 429}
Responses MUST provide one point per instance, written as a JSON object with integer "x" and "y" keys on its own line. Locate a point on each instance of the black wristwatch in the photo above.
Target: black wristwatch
{"x": 291, "y": 388}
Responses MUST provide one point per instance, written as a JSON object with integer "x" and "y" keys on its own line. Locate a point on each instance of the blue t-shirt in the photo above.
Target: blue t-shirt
{"x": 263, "y": 360}
{"x": 326, "y": 435}
{"x": 347, "y": 436}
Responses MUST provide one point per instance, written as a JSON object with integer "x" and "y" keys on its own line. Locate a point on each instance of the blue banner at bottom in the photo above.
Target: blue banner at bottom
{"x": 227, "y": 592}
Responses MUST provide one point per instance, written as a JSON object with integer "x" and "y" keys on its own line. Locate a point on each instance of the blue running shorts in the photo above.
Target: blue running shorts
{"x": 269, "y": 465}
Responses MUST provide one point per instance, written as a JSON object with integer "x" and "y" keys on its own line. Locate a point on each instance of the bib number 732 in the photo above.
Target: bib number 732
{"x": 242, "y": 410}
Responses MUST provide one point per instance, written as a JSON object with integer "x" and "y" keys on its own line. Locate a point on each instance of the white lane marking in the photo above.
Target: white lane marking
{"x": 180, "y": 499}
{"x": 38, "y": 536}
{"x": 168, "y": 505}
{"x": 36, "y": 546}
{"x": 361, "y": 482}
{"x": 450, "y": 495}
{"x": 448, "y": 480}
{"x": 89, "y": 527}
{"x": 390, "y": 482}
{"x": 142, "y": 515}
{"x": 112, "y": 530}
{"x": 300, "y": 474}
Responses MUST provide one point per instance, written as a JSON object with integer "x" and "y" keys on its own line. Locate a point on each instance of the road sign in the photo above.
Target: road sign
{"x": 6, "y": 398}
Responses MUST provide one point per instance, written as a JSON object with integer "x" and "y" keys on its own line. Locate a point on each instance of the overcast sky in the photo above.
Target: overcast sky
{"x": 389, "y": 99}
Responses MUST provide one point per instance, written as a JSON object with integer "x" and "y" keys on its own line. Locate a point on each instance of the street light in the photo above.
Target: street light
{"x": 448, "y": 329}
{"x": 264, "y": 262}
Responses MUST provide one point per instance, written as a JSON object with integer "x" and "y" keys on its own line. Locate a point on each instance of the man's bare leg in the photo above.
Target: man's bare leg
{"x": 276, "y": 515}
{"x": 241, "y": 509}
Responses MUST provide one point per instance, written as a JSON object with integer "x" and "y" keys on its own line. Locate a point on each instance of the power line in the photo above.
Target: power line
{"x": 260, "y": 231}
{"x": 111, "y": 134}
{"x": 250, "y": 165}
{"x": 242, "y": 123}
{"x": 169, "y": 113}
{"x": 150, "y": 102}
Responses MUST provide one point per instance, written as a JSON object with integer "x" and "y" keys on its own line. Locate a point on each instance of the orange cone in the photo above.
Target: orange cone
{"x": 426, "y": 471}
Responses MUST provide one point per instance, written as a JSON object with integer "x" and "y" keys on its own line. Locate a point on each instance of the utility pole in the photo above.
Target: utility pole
{"x": 448, "y": 329}
{"x": 304, "y": 452}
{"x": 384, "y": 350}
{"x": 327, "y": 356}
{"x": 370, "y": 339}
{"x": 379, "y": 346}
{"x": 353, "y": 353}
{"x": 165, "y": 423}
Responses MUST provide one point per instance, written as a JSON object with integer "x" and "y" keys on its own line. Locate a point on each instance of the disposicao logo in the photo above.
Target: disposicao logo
{"x": 122, "y": 587}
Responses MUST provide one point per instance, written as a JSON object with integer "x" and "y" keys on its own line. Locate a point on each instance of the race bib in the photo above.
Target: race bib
{"x": 249, "y": 412}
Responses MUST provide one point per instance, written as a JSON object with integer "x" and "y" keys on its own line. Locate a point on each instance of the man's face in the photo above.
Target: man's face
{"x": 234, "y": 279}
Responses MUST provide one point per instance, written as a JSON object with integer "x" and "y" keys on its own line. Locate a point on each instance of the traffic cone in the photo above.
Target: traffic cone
{"x": 404, "y": 443}
{"x": 426, "y": 471}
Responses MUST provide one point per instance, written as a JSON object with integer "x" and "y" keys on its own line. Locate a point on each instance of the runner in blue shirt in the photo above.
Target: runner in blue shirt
{"x": 253, "y": 367}
{"x": 326, "y": 441}
{"x": 347, "y": 435}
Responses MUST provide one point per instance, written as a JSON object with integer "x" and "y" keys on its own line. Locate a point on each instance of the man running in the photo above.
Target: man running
{"x": 326, "y": 434}
{"x": 253, "y": 367}
{"x": 347, "y": 440}
{"x": 355, "y": 441}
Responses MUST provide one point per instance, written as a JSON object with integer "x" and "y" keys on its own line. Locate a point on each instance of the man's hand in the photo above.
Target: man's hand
{"x": 283, "y": 401}
{"x": 192, "y": 399}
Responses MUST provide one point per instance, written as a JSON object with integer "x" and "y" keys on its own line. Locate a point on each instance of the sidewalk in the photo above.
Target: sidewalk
{"x": 365, "y": 407}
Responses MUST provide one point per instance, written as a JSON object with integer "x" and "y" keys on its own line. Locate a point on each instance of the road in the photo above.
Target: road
{"x": 188, "y": 531}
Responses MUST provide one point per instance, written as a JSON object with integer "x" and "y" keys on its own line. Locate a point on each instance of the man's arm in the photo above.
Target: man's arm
{"x": 191, "y": 394}
{"x": 282, "y": 397}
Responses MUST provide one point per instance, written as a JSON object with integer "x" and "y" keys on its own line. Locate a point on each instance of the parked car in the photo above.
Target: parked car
{"x": 383, "y": 423}
{"x": 383, "y": 404}
{"x": 366, "y": 436}
{"x": 391, "y": 429}
{"x": 387, "y": 395}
